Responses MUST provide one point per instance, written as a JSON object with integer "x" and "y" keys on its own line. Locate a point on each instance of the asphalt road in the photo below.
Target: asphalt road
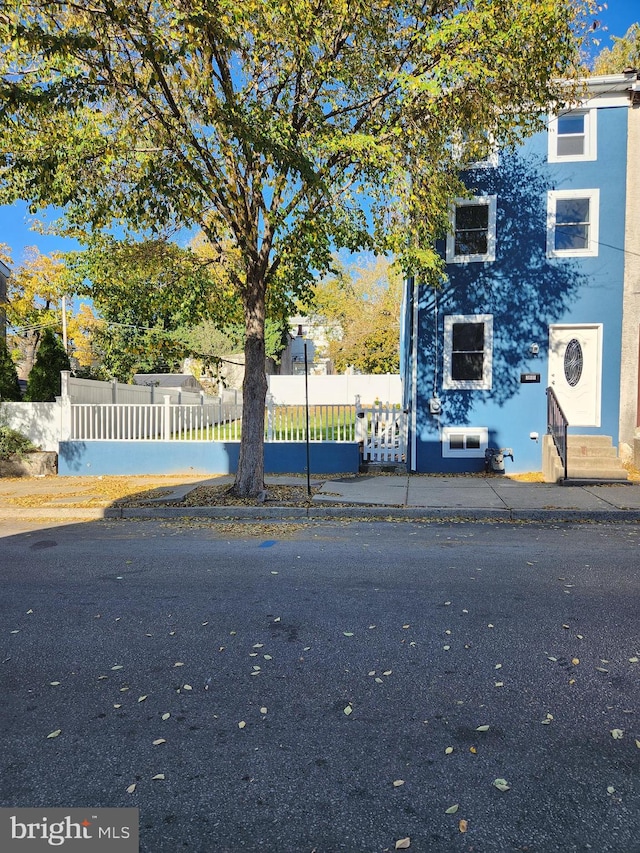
{"x": 331, "y": 687}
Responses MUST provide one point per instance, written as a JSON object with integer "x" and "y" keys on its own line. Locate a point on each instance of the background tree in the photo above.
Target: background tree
{"x": 284, "y": 130}
{"x": 9, "y": 385}
{"x": 624, "y": 54}
{"x": 34, "y": 302}
{"x": 43, "y": 384}
{"x": 361, "y": 307}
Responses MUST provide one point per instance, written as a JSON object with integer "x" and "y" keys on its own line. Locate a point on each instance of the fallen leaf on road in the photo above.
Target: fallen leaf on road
{"x": 482, "y": 729}
{"x": 403, "y": 844}
{"x": 398, "y": 783}
{"x": 501, "y": 784}
{"x": 452, "y": 809}
{"x": 617, "y": 734}
{"x": 448, "y": 750}
{"x": 463, "y": 826}
{"x": 348, "y": 710}
{"x": 141, "y": 698}
{"x": 575, "y": 661}
{"x": 159, "y": 741}
{"x": 166, "y": 716}
{"x": 263, "y": 710}
{"x": 131, "y": 788}
{"x": 241, "y": 724}
{"x": 55, "y": 734}
{"x": 158, "y": 776}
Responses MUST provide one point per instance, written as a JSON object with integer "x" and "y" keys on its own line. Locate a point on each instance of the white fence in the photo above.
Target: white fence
{"x": 222, "y": 422}
{"x": 382, "y": 429}
{"x": 343, "y": 389}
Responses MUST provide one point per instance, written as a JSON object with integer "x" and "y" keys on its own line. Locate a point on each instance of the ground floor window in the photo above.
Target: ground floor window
{"x": 464, "y": 442}
{"x": 468, "y": 348}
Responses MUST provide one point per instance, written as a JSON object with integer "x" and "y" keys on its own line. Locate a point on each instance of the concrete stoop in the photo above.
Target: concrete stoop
{"x": 590, "y": 459}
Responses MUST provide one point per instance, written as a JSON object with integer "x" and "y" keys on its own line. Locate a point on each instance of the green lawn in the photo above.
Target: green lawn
{"x": 288, "y": 424}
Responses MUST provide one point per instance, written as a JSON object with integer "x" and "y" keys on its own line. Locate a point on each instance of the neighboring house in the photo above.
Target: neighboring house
{"x": 543, "y": 289}
{"x": 316, "y": 335}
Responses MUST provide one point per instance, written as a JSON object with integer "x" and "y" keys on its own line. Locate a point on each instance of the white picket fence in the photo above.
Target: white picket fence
{"x": 382, "y": 429}
{"x": 216, "y": 422}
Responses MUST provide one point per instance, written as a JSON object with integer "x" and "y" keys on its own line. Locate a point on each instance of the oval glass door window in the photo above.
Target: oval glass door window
{"x": 573, "y": 362}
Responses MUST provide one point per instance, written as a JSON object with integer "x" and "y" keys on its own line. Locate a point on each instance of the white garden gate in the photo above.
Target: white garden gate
{"x": 382, "y": 429}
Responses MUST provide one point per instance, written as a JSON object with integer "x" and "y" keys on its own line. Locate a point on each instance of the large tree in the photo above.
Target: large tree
{"x": 283, "y": 129}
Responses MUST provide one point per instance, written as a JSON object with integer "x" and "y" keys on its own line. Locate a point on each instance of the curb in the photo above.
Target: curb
{"x": 319, "y": 513}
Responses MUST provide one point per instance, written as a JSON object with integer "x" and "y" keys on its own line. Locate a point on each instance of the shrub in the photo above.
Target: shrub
{"x": 43, "y": 384}
{"x": 13, "y": 443}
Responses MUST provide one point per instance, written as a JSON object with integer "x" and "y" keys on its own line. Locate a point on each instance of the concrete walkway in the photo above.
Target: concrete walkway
{"x": 365, "y": 496}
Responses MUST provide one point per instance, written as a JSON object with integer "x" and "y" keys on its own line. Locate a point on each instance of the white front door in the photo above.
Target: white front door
{"x": 575, "y": 371}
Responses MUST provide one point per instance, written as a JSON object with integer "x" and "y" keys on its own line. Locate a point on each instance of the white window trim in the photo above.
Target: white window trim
{"x": 467, "y": 453}
{"x": 489, "y": 162}
{"x": 490, "y": 255}
{"x": 594, "y": 223}
{"x": 590, "y": 138}
{"x": 484, "y": 384}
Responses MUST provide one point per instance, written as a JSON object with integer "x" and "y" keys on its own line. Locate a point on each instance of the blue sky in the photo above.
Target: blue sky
{"x": 15, "y": 221}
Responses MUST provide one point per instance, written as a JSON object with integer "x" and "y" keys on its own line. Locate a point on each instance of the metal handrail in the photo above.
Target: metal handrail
{"x": 557, "y": 426}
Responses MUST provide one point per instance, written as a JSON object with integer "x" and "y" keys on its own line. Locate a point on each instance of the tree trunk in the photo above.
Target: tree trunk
{"x": 250, "y": 474}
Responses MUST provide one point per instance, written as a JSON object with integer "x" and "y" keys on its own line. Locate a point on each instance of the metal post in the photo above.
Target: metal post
{"x": 64, "y": 323}
{"x": 306, "y": 403}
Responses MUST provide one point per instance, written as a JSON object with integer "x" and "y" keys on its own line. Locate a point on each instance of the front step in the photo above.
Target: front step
{"x": 594, "y": 458}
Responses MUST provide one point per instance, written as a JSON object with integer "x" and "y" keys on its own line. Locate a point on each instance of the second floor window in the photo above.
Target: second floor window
{"x": 572, "y": 136}
{"x": 572, "y": 223}
{"x": 473, "y": 231}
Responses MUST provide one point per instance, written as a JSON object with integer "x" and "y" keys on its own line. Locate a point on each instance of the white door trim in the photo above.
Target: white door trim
{"x": 595, "y": 376}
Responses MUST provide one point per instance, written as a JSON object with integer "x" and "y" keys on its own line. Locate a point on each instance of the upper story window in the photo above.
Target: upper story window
{"x": 573, "y": 223}
{"x": 476, "y": 152}
{"x": 468, "y": 352}
{"x": 473, "y": 231}
{"x": 572, "y": 136}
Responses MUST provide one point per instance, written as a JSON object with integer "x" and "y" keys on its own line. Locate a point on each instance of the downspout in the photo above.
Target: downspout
{"x": 414, "y": 373}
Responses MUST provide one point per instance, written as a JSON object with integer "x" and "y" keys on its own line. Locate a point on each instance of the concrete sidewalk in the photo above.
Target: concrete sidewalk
{"x": 490, "y": 498}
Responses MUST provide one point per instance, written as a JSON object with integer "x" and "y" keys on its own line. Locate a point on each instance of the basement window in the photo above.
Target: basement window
{"x": 464, "y": 442}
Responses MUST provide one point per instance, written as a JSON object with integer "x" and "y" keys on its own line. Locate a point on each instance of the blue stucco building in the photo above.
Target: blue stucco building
{"x": 542, "y": 290}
